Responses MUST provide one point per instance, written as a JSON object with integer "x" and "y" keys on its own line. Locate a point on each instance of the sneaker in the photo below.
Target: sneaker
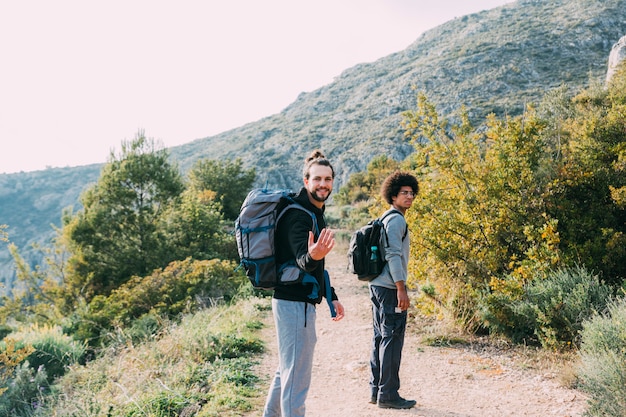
{"x": 400, "y": 403}
{"x": 374, "y": 399}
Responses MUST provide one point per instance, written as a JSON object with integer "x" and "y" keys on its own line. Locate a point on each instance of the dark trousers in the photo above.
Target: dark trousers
{"x": 387, "y": 343}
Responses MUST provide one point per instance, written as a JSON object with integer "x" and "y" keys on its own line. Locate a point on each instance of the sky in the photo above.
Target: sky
{"x": 79, "y": 77}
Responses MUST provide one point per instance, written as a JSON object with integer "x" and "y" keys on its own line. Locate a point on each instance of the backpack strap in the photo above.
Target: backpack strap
{"x": 328, "y": 295}
{"x": 293, "y": 204}
{"x": 383, "y": 236}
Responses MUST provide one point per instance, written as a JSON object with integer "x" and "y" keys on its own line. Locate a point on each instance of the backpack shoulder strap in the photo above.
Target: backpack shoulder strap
{"x": 389, "y": 213}
{"x": 394, "y": 211}
{"x": 294, "y": 205}
{"x": 384, "y": 234}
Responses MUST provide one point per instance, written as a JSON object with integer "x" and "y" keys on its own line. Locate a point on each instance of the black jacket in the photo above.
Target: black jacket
{"x": 291, "y": 241}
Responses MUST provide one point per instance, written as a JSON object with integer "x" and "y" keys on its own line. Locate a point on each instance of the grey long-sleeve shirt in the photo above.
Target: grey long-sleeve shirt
{"x": 396, "y": 251}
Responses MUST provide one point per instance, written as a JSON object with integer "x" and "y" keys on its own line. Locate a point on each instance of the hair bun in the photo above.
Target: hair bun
{"x": 316, "y": 154}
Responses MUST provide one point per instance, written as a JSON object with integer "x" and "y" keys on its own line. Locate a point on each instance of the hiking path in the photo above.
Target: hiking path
{"x": 461, "y": 380}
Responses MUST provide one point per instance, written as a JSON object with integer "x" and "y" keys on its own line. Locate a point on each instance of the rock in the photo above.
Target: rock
{"x": 617, "y": 55}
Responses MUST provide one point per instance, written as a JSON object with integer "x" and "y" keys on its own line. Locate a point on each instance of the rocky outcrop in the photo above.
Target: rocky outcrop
{"x": 617, "y": 55}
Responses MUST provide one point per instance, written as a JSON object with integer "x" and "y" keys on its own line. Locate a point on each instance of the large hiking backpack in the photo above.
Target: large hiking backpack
{"x": 366, "y": 253}
{"x": 255, "y": 230}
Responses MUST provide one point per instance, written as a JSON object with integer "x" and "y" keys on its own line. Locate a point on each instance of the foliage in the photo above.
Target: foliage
{"x": 11, "y": 357}
{"x": 359, "y": 195}
{"x": 199, "y": 366}
{"x": 181, "y": 287}
{"x": 587, "y": 196}
{"x": 551, "y": 311}
{"x": 31, "y": 359}
{"x": 502, "y": 207}
{"x": 363, "y": 185}
{"x": 137, "y": 216}
{"x": 34, "y": 297}
{"x": 480, "y": 213}
{"x": 5, "y": 330}
{"x": 603, "y": 369}
{"x": 194, "y": 227}
{"x": 117, "y": 234}
{"x": 52, "y": 351}
{"x": 227, "y": 179}
{"x": 26, "y": 393}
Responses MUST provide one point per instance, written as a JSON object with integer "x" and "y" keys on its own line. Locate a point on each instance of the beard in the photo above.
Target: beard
{"x": 319, "y": 198}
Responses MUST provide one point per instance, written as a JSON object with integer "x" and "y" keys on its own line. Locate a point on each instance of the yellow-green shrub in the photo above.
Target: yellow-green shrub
{"x": 183, "y": 286}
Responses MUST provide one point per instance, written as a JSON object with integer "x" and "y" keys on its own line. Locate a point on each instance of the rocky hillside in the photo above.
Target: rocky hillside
{"x": 493, "y": 61}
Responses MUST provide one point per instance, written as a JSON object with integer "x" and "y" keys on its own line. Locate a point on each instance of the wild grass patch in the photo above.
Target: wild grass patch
{"x": 603, "y": 364}
{"x": 198, "y": 367}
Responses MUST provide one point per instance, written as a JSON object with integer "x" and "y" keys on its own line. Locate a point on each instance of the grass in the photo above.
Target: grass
{"x": 198, "y": 367}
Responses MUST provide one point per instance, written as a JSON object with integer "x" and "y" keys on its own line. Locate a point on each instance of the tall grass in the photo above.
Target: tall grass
{"x": 50, "y": 355}
{"x": 198, "y": 367}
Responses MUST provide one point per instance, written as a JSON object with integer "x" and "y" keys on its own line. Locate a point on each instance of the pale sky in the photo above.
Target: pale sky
{"x": 77, "y": 77}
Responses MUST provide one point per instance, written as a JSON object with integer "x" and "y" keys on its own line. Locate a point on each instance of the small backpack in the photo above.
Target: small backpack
{"x": 366, "y": 256}
{"x": 255, "y": 230}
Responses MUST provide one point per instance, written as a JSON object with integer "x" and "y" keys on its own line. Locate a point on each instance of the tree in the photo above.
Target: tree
{"x": 363, "y": 185}
{"x": 40, "y": 295}
{"x": 32, "y": 299}
{"x": 479, "y": 215}
{"x": 227, "y": 179}
{"x": 117, "y": 235}
{"x": 502, "y": 207}
{"x": 360, "y": 197}
{"x": 195, "y": 228}
{"x": 588, "y": 195}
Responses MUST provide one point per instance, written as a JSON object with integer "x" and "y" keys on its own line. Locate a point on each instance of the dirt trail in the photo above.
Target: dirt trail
{"x": 445, "y": 382}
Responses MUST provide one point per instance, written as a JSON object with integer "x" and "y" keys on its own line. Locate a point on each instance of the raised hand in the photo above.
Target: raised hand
{"x": 325, "y": 242}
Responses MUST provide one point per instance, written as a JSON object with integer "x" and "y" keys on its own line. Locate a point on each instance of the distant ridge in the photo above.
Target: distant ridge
{"x": 493, "y": 61}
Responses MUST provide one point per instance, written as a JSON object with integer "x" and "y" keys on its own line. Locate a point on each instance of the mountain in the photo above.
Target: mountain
{"x": 31, "y": 203}
{"x": 496, "y": 61}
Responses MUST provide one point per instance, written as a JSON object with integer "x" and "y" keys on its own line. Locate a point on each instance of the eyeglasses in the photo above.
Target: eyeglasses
{"x": 407, "y": 193}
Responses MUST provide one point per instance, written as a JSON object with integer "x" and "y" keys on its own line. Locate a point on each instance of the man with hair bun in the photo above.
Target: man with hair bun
{"x": 293, "y": 309}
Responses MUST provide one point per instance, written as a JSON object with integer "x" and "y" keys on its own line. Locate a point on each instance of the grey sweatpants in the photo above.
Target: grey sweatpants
{"x": 295, "y": 329}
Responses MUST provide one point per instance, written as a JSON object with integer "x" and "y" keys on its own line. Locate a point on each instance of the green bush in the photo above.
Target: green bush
{"x": 26, "y": 393}
{"x": 5, "y": 330}
{"x": 563, "y": 302}
{"x": 603, "y": 369}
{"x": 551, "y": 311}
{"x": 144, "y": 328}
{"x": 161, "y": 404}
{"x": 184, "y": 286}
{"x": 53, "y": 351}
